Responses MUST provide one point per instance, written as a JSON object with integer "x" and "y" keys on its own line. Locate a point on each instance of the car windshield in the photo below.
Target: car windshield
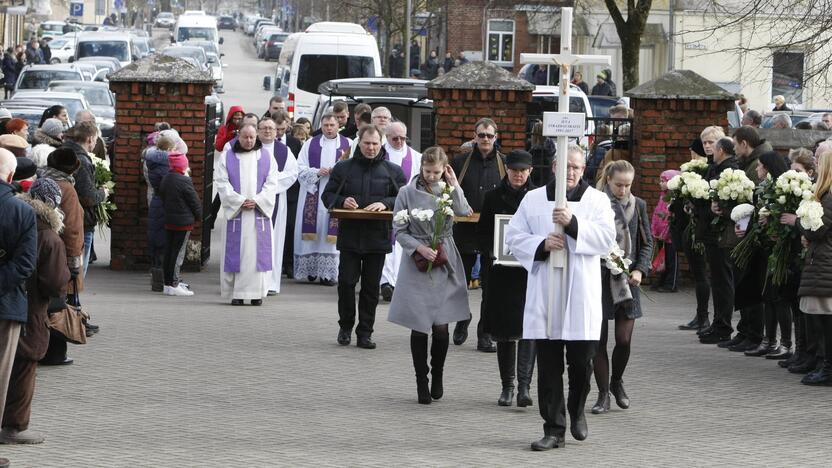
{"x": 192, "y": 52}
{"x": 116, "y": 49}
{"x": 57, "y": 43}
{"x": 278, "y": 37}
{"x": 315, "y": 69}
{"x": 40, "y": 79}
{"x": 165, "y": 15}
{"x": 52, "y": 27}
{"x": 207, "y": 46}
{"x": 184, "y": 34}
{"x": 94, "y": 96}
{"x": 143, "y": 46}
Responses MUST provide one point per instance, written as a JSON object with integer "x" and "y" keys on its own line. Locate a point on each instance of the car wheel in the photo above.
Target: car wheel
{"x": 55, "y": 60}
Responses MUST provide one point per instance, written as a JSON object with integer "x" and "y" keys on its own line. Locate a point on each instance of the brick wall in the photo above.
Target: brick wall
{"x": 458, "y": 110}
{"x": 139, "y": 105}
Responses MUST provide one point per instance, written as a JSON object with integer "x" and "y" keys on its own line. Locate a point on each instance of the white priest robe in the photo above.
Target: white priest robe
{"x": 286, "y": 178}
{"x": 318, "y": 257}
{"x": 248, "y": 283}
{"x": 394, "y": 258}
{"x": 581, "y": 320}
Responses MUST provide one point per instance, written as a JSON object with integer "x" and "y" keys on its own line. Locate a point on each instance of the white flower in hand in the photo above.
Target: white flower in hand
{"x": 401, "y": 218}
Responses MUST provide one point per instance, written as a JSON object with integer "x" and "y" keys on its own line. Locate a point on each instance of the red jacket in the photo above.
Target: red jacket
{"x": 228, "y": 131}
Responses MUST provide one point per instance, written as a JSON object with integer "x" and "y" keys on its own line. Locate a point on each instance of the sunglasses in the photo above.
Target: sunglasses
{"x": 489, "y": 136}
{"x": 398, "y": 138}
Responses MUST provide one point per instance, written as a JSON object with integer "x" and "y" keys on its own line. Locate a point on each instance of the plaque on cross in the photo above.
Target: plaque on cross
{"x": 562, "y": 124}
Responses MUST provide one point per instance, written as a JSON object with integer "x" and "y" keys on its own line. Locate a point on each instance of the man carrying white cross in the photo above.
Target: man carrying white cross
{"x": 588, "y": 225}
{"x": 562, "y": 255}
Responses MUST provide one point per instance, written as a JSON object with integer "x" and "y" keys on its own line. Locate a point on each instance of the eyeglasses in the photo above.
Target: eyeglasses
{"x": 399, "y": 138}
{"x": 489, "y": 136}
{"x": 268, "y": 129}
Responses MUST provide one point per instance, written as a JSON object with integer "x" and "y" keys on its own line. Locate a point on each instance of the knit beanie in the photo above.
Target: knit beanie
{"x": 26, "y": 168}
{"x": 178, "y": 162}
{"x": 64, "y": 160}
{"x": 47, "y": 191}
{"x": 181, "y": 147}
{"x": 53, "y": 127}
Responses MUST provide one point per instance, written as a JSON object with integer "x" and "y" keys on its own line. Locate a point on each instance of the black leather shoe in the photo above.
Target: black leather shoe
{"x": 62, "y": 362}
{"x": 523, "y": 397}
{"x": 780, "y": 352}
{"x": 311, "y": 278}
{"x": 236, "y": 302}
{"x": 485, "y": 345}
{"x": 506, "y": 396}
{"x": 548, "y": 443}
{"x": 386, "y": 292}
{"x": 326, "y": 282}
{"x": 703, "y": 326}
{"x": 344, "y": 337}
{"x": 708, "y": 329}
{"x": 804, "y": 367}
{"x": 257, "y": 302}
{"x": 761, "y": 350}
{"x": 737, "y": 339}
{"x": 577, "y": 426}
{"x": 92, "y": 327}
{"x": 603, "y": 404}
{"x": 460, "y": 332}
{"x": 365, "y": 343}
{"x": 746, "y": 345}
{"x": 692, "y": 325}
{"x": 617, "y": 390}
{"x": 796, "y": 357}
{"x": 819, "y": 377}
{"x": 271, "y": 293}
{"x": 713, "y": 338}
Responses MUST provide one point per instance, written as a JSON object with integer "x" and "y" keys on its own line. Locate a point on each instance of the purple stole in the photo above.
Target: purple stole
{"x": 281, "y": 153}
{"x": 233, "y": 238}
{"x": 309, "y": 228}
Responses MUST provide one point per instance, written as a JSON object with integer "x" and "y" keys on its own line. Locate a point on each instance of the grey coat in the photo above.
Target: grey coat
{"x": 421, "y": 299}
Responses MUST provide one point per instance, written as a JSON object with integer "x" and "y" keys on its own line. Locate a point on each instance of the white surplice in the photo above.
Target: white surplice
{"x": 394, "y": 258}
{"x": 249, "y": 283}
{"x": 318, "y": 257}
{"x": 596, "y": 233}
{"x": 286, "y": 179}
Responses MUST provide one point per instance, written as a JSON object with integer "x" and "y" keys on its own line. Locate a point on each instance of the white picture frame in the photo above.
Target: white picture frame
{"x": 502, "y": 256}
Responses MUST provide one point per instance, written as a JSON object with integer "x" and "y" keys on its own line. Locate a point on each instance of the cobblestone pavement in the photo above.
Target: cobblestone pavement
{"x": 179, "y": 382}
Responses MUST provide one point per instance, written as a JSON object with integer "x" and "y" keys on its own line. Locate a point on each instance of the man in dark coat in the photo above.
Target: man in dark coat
{"x": 448, "y": 63}
{"x": 479, "y": 171}
{"x": 602, "y": 88}
{"x": 366, "y": 181}
{"x": 48, "y": 281}
{"x": 283, "y": 121}
{"x": 18, "y": 257}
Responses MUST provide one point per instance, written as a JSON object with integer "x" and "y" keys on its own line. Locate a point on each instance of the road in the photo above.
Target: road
{"x": 181, "y": 382}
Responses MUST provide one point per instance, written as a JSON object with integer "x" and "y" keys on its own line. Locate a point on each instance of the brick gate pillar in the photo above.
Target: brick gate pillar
{"x": 158, "y": 88}
{"x": 670, "y": 112}
{"x": 473, "y": 91}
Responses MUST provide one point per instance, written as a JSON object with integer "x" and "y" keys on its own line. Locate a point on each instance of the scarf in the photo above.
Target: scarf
{"x": 624, "y": 210}
{"x": 55, "y": 174}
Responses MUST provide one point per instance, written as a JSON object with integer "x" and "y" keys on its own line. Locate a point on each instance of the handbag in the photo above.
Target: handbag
{"x": 422, "y": 263}
{"x": 68, "y": 321}
{"x": 658, "y": 265}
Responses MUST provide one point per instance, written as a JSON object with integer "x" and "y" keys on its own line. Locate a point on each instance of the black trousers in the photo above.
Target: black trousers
{"x": 722, "y": 287}
{"x": 468, "y": 261}
{"x": 289, "y": 241}
{"x": 550, "y": 366}
{"x": 174, "y": 245}
{"x": 352, "y": 267}
{"x": 670, "y": 275}
{"x": 699, "y": 270}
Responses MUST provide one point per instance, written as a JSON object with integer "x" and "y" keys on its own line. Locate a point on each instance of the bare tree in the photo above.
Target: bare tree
{"x": 630, "y": 31}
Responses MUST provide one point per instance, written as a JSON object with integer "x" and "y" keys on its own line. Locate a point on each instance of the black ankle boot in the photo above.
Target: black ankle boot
{"x": 603, "y": 404}
{"x": 438, "y": 353}
{"x": 419, "y": 353}
{"x": 525, "y": 368}
{"x": 506, "y": 359}
{"x": 621, "y": 398}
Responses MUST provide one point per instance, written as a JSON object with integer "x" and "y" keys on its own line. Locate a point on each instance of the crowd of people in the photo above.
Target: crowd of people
{"x": 49, "y": 196}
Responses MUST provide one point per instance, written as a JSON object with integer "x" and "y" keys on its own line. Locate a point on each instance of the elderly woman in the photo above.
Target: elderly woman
{"x": 620, "y": 292}
{"x": 780, "y": 104}
{"x": 781, "y": 121}
{"x": 427, "y": 301}
{"x": 47, "y": 139}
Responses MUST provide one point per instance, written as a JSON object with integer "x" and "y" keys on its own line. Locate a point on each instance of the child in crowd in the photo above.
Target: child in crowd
{"x": 182, "y": 208}
{"x": 660, "y": 226}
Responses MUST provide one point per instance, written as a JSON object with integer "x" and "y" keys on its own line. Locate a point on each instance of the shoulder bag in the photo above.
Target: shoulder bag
{"x": 68, "y": 321}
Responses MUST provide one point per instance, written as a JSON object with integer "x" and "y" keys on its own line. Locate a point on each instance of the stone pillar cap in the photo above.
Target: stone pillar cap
{"x": 159, "y": 68}
{"x": 480, "y": 75}
{"x": 681, "y": 84}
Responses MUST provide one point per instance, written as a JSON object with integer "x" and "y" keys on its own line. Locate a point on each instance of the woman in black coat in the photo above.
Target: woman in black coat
{"x": 620, "y": 293}
{"x": 504, "y": 287}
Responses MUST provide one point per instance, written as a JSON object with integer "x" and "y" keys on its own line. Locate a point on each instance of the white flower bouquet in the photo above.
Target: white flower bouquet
{"x": 615, "y": 261}
{"x": 699, "y": 166}
{"x": 810, "y": 214}
{"x": 741, "y": 214}
{"x": 687, "y": 186}
{"x": 440, "y": 216}
{"x": 103, "y": 179}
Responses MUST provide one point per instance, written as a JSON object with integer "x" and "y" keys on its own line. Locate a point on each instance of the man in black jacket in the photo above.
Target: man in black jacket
{"x": 283, "y": 121}
{"x": 479, "y": 171}
{"x": 366, "y": 181}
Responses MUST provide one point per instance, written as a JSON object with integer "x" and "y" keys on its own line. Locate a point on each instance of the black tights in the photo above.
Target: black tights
{"x": 438, "y": 330}
{"x": 620, "y": 353}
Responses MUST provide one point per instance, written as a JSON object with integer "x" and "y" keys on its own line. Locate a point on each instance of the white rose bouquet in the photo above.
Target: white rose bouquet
{"x": 784, "y": 195}
{"x": 688, "y": 188}
{"x": 810, "y": 214}
{"x": 615, "y": 261}
{"x": 699, "y": 166}
{"x": 103, "y": 179}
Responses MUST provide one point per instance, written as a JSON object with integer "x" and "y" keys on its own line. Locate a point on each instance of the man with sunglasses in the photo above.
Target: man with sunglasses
{"x": 479, "y": 171}
{"x": 410, "y": 160}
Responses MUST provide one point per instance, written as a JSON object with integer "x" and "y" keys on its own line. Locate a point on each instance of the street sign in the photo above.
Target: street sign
{"x": 570, "y": 124}
{"x": 76, "y": 9}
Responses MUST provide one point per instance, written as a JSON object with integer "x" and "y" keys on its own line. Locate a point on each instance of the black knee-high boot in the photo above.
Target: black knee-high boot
{"x": 438, "y": 353}
{"x": 419, "y": 352}
{"x": 525, "y": 369}
{"x": 506, "y": 359}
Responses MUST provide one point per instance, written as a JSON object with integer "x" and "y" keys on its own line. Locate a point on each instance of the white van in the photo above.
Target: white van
{"x": 196, "y": 27}
{"x": 326, "y": 51}
{"x": 106, "y": 44}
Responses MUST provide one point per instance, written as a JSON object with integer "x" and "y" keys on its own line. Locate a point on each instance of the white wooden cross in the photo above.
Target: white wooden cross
{"x": 562, "y": 124}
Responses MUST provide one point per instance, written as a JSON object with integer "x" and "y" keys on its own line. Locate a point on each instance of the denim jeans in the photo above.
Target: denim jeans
{"x": 87, "y": 249}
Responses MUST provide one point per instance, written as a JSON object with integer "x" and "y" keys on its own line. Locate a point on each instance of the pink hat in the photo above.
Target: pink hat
{"x": 178, "y": 162}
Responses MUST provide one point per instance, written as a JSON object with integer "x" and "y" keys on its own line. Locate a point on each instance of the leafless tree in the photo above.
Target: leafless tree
{"x": 630, "y": 31}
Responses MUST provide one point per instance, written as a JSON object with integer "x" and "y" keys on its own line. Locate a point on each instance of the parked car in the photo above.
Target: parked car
{"x": 216, "y": 65}
{"x": 74, "y": 102}
{"x": 226, "y": 22}
{"x": 98, "y": 95}
{"x": 88, "y": 70}
{"x": 407, "y": 100}
{"x": 62, "y": 49}
{"x": 101, "y": 63}
{"x": 795, "y": 116}
{"x": 545, "y": 99}
{"x": 272, "y": 45}
{"x": 165, "y": 20}
{"x": 143, "y": 46}
{"x": 118, "y": 45}
{"x": 196, "y": 53}
{"x": 49, "y": 29}
{"x": 38, "y": 77}
{"x": 30, "y": 111}
{"x": 601, "y": 105}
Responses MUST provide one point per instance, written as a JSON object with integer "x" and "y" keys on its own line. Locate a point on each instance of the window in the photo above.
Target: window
{"x": 787, "y": 76}
{"x": 116, "y": 49}
{"x": 316, "y": 69}
{"x": 501, "y": 41}
{"x": 100, "y": 7}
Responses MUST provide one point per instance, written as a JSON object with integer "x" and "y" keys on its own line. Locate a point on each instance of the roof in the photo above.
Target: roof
{"x": 79, "y": 84}
{"x": 159, "y": 68}
{"x": 480, "y": 75}
{"x": 681, "y": 84}
{"x": 57, "y": 66}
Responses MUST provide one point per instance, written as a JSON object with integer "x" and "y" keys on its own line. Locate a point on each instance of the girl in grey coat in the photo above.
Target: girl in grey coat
{"x": 429, "y": 301}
